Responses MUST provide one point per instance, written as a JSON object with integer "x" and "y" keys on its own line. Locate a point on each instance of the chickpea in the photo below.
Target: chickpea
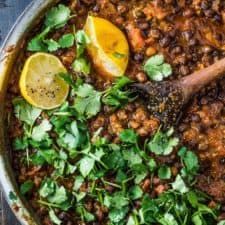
{"x": 150, "y": 51}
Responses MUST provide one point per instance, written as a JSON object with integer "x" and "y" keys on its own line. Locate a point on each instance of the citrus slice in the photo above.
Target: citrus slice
{"x": 108, "y": 47}
{"x": 40, "y": 84}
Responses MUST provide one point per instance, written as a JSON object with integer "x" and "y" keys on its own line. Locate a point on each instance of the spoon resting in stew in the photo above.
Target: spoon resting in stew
{"x": 166, "y": 99}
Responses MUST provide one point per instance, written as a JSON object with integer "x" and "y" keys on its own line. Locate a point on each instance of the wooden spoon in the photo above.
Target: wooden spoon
{"x": 166, "y": 99}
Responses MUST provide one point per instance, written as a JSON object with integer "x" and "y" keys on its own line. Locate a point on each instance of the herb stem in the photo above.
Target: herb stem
{"x": 111, "y": 184}
{"x": 47, "y": 204}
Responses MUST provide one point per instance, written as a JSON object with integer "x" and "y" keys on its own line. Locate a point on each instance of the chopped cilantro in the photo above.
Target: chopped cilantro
{"x": 135, "y": 192}
{"x": 40, "y": 131}
{"x": 20, "y": 143}
{"x": 163, "y": 143}
{"x": 152, "y": 165}
{"x": 164, "y": 172}
{"x": 128, "y": 136}
{"x": 86, "y": 165}
{"x": 66, "y": 41}
{"x": 54, "y": 194}
{"x": 82, "y": 41}
{"x": 78, "y": 182}
{"x": 25, "y": 112}
{"x": 54, "y": 218}
{"x": 117, "y": 215}
{"x": 52, "y": 45}
{"x": 85, "y": 215}
{"x": 81, "y": 65}
{"x": 179, "y": 185}
{"x": 156, "y": 69}
{"x": 113, "y": 173}
{"x": 140, "y": 171}
{"x": 172, "y": 208}
{"x": 57, "y": 16}
{"x": 88, "y": 101}
{"x": 26, "y": 187}
{"x": 190, "y": 161}
{"x": 116, "y": 96}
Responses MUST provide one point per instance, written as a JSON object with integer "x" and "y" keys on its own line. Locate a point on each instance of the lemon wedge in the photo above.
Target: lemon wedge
{"x": 40, "y": 84}
{"x": 108, "y": 47}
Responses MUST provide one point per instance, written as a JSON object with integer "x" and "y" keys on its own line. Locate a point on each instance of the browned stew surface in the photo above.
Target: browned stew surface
{"x": 191, "y": 36}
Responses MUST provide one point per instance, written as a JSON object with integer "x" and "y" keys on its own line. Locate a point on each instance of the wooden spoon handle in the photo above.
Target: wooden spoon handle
{"x": 191, "y": 84}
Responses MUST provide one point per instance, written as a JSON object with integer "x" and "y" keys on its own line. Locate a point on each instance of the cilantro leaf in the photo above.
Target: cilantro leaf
{"x": 118, "y": 200}
{"x": 163, "y": 143}
{"x": 190, "y": 161}
{"x": 116, "y": 96}
{"x": 60, "y": 196}
{"x": 81, "y": 65}
{"x": 135, "y": 192}
{"x": 52, "y": 45}
{"x": 54, "y": 218}
{"x": 88, "y": 101}
{"x": 78, "y": 182}
{"x": 68, "y": 78}
{"x": 49, "y": 155}
{"x": 57, "y": 16}
{"x": 80, "y": 196}
{"x": 55, "y": 194}
{"x": 67, "y": 41}
{"x": 132, "y": 157}
{"x": 85, "y": 215}
{"x": 179, "y": 185}
{"x": 140, "y": 172}
{"x": 72, "y": 138}
{"x": 20, "y": 143}
{"x": 152, "y": 165}
{"x": 26, "y": 187}
{"x": 40, "y": 132}
{"x": 37, "y": 43}
{"x": 47, "y": 188}
{"x": 114, "y": 160}
{"x": 25, "y": 112}
{"x": 168, "y": 219}
{"x": 82, "y": 40}
{"x": 86, "y": 165}
{"x": 116, "y": 215}
{"x": 128, "y": 136}
{"x": 156, "y": 69}
{"x": 164, "y": 172}
{"x": 132, "y": 220}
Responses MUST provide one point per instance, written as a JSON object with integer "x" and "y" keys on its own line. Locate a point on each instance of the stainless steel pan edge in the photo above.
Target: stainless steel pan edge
{"x": 8, "y": 54}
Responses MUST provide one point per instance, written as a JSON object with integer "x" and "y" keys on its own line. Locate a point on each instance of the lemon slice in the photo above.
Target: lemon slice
{"x": 108, "y": 47}
{"x": 40, "y": 84}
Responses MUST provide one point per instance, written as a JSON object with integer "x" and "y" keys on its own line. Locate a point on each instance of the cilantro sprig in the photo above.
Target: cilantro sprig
{"x": 156, "y": 68}
{"x": 55, "y": 18}
{"x": 163, "y": 143}
{"x": 88, "y": 101}
{"x": 117, "y": 96}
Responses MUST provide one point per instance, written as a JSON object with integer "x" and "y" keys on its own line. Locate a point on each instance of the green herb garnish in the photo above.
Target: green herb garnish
{"x": 26, "y": 187}
{"x": 55, "y": 18}
{"x": 156, "y": 69}
{"x": 163, "y": 143}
